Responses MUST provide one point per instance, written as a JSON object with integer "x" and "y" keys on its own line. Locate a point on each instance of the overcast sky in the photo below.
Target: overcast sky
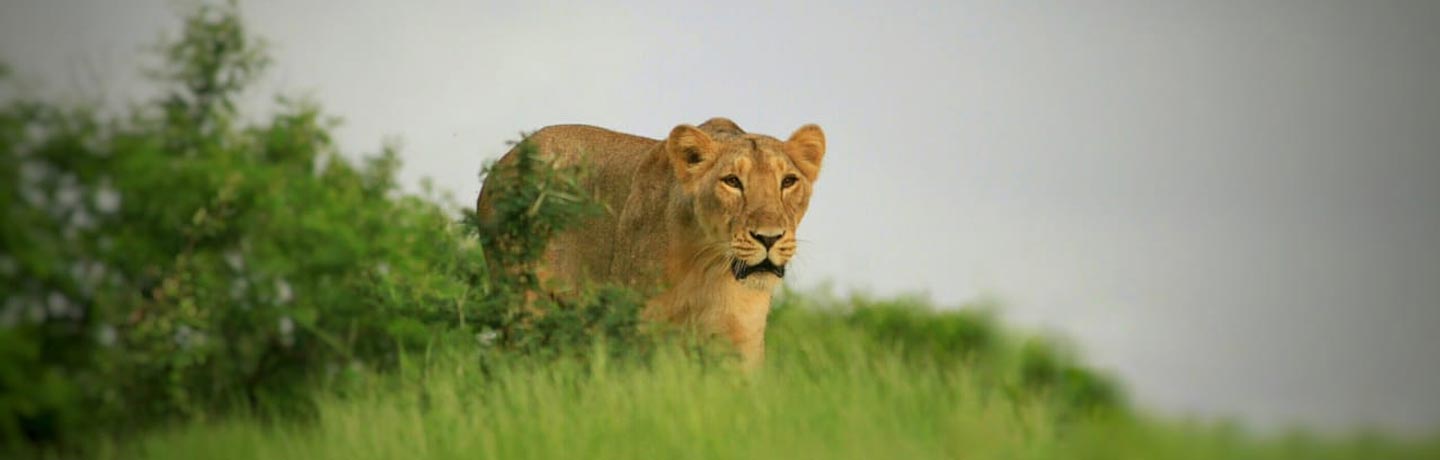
{"x": 1233, "y": 205}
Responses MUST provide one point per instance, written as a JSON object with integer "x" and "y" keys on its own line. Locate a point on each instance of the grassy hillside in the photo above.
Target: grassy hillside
{"x": 836, "y": 386}
{"x": 180, "y": 283}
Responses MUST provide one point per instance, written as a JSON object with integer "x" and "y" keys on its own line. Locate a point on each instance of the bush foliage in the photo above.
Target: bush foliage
{"x": 176, "y": 262}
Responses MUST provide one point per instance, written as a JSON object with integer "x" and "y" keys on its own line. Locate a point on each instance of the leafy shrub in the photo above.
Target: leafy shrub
{"x": 966, "y": 334}
{"x": 176, "y": 263}
{"x": 1044, "y": 366}
{"x": 968, "y": 338}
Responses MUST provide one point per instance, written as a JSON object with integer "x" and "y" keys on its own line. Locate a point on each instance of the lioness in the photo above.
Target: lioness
{"x": 704, "y": 220}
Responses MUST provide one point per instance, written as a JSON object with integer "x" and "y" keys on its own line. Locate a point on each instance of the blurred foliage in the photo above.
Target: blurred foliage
{"x": 1023, "y": 367}
{"x": 176, "y": 263}
{"x": 179, "y": 263}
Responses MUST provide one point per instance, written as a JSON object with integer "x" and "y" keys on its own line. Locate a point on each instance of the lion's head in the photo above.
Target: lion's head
{"x": 745, "y": 194}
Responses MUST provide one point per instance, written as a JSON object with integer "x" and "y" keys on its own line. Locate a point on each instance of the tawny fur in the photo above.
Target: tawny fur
{"x": 674, "y": 226}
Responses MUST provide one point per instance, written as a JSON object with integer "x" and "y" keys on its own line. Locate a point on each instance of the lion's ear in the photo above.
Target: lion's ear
{"x": 807, "y": 148}
{"x": 691, "y": 151}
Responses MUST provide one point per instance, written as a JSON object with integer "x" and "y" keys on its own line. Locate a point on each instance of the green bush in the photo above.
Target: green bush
{"x": 969, "y": 337}
{"x": 177, "y": 263}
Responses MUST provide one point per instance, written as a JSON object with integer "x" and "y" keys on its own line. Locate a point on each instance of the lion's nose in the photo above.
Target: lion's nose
{"x": 767, "y": 239}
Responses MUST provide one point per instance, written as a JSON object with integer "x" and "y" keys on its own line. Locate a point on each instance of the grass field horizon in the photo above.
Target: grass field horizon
{"x": 841, "y": 381}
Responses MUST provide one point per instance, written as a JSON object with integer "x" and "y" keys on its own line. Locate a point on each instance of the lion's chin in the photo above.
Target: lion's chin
{"x": 761, "y": 281}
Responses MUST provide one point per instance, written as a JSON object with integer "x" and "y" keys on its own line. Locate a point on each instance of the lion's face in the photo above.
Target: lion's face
{"x": 747, "y": 194}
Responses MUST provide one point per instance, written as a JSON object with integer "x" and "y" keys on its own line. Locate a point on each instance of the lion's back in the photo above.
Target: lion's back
{"x": 610, "y": 160}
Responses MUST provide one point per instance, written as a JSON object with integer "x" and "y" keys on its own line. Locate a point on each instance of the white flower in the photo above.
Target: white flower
{"x": 235, "y": 260}
{"x": 87, "y": 273}
{"x": 81, "y": 220}
{"x": 283, "y": 293}
{"x": 487, "y": 336}
{"x": 107, "y": 199}
{"x": 105, "y": 335}
{"x": 68, "y": 196}
{"x": 287, "y": 331}
{"x": 182, "y": 336}
{"x": 382, "y": 268}
{"x": 58, "y": 305}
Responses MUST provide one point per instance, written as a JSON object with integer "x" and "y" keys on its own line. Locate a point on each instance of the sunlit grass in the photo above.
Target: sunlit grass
{"x": 829, "y": 390}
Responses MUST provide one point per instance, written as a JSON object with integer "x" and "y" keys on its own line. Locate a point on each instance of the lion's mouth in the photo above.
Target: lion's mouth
{"x": 743, "y": 270}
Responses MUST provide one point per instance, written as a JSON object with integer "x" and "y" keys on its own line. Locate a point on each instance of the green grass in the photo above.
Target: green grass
{"x": 836, "y": 386}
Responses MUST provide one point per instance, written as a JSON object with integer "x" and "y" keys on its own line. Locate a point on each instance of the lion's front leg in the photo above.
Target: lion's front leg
{"x": 752, "y": 352}
{"x": 745, "y": 327}
{"x": 738, "y": 314}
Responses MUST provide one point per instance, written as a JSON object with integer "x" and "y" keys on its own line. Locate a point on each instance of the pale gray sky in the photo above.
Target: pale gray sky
{"x": 1234, "y": 205}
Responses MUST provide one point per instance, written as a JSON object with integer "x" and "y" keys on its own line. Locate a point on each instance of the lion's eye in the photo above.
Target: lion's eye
{"x": 788, "y": 181}
{"x": 733, "y": 182}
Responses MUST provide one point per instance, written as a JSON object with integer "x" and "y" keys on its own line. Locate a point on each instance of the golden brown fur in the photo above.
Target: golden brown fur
{"x": 677, "y": 222}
